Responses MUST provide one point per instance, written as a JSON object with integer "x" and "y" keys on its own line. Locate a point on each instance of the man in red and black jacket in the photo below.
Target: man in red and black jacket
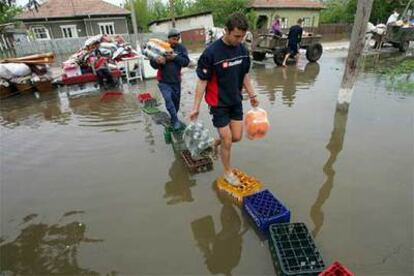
{"x": 169, "y": 75}
{"x": 223, "y": 71}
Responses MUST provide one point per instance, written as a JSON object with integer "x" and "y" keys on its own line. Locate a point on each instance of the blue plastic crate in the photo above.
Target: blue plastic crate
{"x": 265, "y": 209}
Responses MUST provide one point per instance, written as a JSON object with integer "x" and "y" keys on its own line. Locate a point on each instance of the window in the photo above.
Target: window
{"x": 69, "y": 31}
{"x": 40, "y": 33}
{"x": 107, "y": 28}
{"x": 284, "y": 23}
{"x": 307, "y": 22}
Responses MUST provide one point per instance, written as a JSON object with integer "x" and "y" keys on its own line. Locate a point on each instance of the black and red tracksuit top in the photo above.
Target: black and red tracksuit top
{"x": 224, "y": 67}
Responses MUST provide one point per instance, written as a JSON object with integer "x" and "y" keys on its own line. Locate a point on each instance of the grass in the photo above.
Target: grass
{"x": 400, "y": 76}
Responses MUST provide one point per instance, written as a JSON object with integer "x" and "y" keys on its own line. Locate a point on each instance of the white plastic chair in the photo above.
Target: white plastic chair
{"x": 132, "y": 65}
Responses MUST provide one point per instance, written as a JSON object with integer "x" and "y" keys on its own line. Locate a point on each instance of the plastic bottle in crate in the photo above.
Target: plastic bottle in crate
{"x": 197, "y": 139}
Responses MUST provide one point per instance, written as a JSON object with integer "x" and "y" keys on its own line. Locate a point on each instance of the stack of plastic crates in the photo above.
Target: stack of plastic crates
{"x": 293, "y": 250}
{"x": 150, "y": 106}
{"x": 203, "y": 164}
{"x": 265, "y": 209}
{"x": 336, "y": 269}
{"x": 249, "y": 185}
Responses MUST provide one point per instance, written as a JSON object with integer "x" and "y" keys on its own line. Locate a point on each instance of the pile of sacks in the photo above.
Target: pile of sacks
{"x": 113, "y": 49}
{"x": 21, "y": 75}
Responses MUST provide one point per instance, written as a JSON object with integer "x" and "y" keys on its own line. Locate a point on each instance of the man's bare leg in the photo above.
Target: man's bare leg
{"x": 286, "y": 58}
{"x": 228, "y": 135}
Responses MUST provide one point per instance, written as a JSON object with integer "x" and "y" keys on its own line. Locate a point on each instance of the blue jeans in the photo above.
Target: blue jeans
{"x": 171, "y": 94}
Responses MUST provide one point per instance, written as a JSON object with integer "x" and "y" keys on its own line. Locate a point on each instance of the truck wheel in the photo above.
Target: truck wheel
{"x": 404, "y": 46}
{"x": 259, "y": 56}
{"x": 314, "y": 52}
{"x": 279, "y": 55}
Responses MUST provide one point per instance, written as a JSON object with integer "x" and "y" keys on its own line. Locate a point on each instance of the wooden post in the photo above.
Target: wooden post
{"x": 355, "y": 49}
{"x": 172, "y": 12}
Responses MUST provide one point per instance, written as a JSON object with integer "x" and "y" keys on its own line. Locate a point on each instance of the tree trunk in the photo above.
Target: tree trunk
{"x": 172, "y": 12}
{"x": 134, "y": 18}
{"x": 355, "y": 49}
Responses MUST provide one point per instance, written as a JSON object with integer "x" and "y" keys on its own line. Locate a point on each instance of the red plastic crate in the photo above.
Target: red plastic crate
{"x": 143, "y": 97}
{"x": 336, "y": 269}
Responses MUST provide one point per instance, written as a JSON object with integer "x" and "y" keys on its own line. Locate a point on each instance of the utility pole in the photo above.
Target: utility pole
{"x": 355, "y": 50}
{"x": 172, "y": 12}
{"x": 134, "y": 18}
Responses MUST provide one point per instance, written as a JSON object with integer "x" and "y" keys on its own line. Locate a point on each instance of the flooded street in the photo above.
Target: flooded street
{"x": 88, "y": 184}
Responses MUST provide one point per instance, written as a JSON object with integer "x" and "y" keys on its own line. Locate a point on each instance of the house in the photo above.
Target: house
{"x": 192, "y": 26}
{"x": 75, "y": 18}
{"x": 10, "y": 34}
{"x": 289, "y": 12}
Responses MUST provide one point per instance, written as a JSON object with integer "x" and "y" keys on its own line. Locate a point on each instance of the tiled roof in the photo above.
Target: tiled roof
{"x": 294, "y": 4}
{"x": 71, "y": 8}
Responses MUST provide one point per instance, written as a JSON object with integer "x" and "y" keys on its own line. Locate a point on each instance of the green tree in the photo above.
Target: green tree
{"x": 343, "y": 11}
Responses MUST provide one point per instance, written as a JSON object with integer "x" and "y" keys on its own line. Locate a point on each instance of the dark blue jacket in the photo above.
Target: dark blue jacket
{"x": 170, "y": 72}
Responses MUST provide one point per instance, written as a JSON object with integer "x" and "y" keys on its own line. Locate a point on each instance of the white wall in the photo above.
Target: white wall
{"x": 199, "y": 22}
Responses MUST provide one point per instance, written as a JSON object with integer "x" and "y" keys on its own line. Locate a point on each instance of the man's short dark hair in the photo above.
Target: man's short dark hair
{"x": 300, "y": 20}
{"x": 237, "y": 20}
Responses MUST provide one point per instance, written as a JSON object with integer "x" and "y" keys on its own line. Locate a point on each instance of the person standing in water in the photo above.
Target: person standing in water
{"x": 294, "y": 38}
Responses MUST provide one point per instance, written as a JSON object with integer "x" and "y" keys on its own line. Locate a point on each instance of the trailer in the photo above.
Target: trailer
{"x": 277, "y": 45}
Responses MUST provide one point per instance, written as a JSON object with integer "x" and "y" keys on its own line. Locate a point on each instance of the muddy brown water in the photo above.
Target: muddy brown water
{"x": 88, "y": 186}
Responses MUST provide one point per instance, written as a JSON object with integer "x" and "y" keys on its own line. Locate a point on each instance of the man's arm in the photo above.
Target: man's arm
{"x": 182, "y": 58}
{"x": 158, "y": 62}
{"x": 300, "y": 36}
{"x": 247, "y": 84}
{"x": 199, "y": 93}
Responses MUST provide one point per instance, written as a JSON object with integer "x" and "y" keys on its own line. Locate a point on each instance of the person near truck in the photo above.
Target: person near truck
{"x": 294, "y": 39}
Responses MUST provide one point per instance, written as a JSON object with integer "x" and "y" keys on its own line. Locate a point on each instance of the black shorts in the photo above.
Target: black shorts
{"x": 293, "y": 49}
{"x": 223, "y": 115}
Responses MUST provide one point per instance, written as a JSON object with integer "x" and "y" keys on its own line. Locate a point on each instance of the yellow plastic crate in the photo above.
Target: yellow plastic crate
{"x": 249, "y": 185}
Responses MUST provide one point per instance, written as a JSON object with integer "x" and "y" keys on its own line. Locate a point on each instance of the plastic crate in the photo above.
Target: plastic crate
{"x": 150, "y": 103}
{"x": 142, "y": 97}
{"x": 196, "y": 166}
{"x": 249, "y": 185}
{"x": 177, "y": 141}
{"x": 293, "y": 250}
{"x": 265, "y": 209}
{"x": 167, "y": 136}
{"x": 336, "y": 269}
{"x": 162, "y": 118}
{"x": 151, "y": 110}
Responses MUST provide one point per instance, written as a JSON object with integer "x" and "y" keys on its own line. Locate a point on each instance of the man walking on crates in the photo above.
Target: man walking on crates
{"x": 223, "y": 71}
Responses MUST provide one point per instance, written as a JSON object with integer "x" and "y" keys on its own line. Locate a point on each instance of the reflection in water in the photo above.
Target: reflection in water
{"x": 27, "y": 109}
{"x": 221, "y": 250}
{"x": 178, "y": 189}
{"x": 288, "y": 80}
{"x": 45, "y": 249}
{"x": 334, "y": 147}
{"x": 112, "y": 113}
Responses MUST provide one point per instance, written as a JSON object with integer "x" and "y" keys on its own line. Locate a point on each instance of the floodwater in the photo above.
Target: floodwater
{"x": 88, "y": 185}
